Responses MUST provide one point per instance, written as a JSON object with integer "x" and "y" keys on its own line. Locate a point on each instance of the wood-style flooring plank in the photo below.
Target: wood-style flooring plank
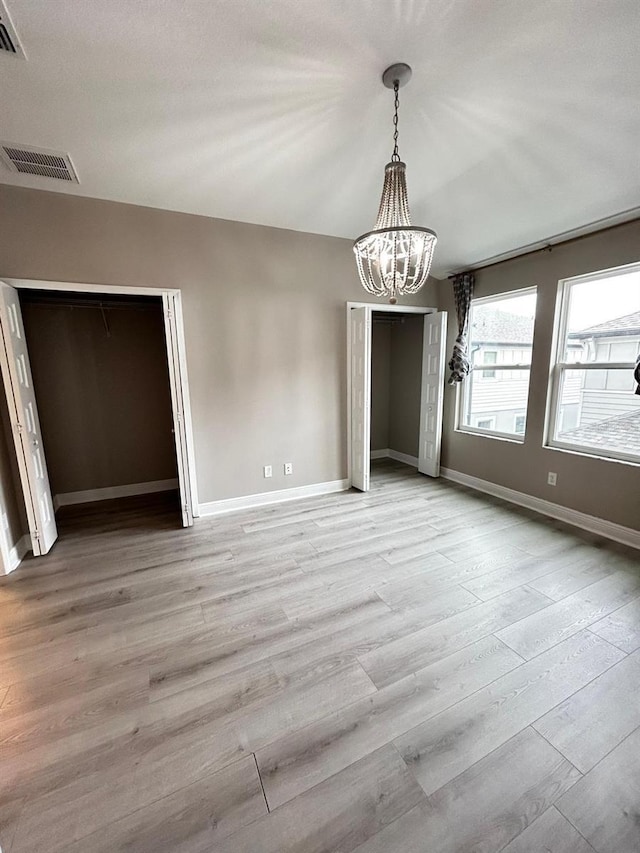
{"x": 541, "y": 631}
{"x": 337, "y": 815}
{"x": 422, "y": 647}
{"x": 449, "y": 743}
{"x": 191, "y": 820}
{"x": 550, "y": 833}
{"x": 595, "y": 719}
{"x": 622, "y": 627}
{"x": 485, "y": 807}
{"x": 300, "y": 760}
{"x": 604, "y": 804}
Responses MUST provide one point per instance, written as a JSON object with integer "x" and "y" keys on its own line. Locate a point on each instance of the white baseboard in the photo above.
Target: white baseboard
{"x": 379, "y": 454}
{"x": 18, "y": 552}
{"x": 279, "y": 496}
{"x": 109, "y": 492}
{"x": 387, "y": 453}
{"x": 608, "y": 529}
{"x": 404, "y": 457}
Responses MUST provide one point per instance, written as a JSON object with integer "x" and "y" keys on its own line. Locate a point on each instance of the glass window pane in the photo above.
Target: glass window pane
{"x": 601, "y": 412}
{"x": 603, "y": 313}
{"x": 495, "y": 406}
{"x": 501, "y": 334}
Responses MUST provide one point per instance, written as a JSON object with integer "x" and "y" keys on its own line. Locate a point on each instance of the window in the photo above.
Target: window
{"x": 592, "y": 405}
{"x": 489, "y": 357}
{"x": 493, "y": 400}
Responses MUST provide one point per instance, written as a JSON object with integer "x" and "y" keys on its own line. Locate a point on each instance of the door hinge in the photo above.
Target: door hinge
{"x": 18, "y": 427}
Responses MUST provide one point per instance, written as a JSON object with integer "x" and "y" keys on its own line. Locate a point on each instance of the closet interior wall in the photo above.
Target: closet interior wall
{"x": 101, "y": 379}
{"x": 396, "y": 372}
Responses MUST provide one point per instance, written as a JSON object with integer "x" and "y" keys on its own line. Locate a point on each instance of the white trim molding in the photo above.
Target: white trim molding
{"x": 110, "y": 492}
{"x": 279, "y": 496}
{"x": 379, "y": 454}
{"x": 387, "y": 453}
{"x": 599, "y": 526}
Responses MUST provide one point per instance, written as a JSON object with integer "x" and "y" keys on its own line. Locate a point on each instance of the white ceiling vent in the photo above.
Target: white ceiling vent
{"x": 9, "y": 44}
{"x": 38, "y": 161}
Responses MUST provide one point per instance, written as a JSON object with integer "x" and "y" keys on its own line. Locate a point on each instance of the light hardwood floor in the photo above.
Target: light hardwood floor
{"x": 420, "y": 668}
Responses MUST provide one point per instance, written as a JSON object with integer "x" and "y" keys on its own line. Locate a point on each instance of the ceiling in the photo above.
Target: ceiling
{"x": 521, "y": 121}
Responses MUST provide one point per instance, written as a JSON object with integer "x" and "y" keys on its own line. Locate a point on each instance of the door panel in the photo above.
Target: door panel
{"x": 432, "y": 395}
{"x": 25, "y": 424}
{"x": 178, "y": 408}
{"x": 360, "y": 397}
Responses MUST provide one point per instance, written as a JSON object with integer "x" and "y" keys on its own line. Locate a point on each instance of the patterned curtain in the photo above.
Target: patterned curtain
{"x": 463, "y": 292}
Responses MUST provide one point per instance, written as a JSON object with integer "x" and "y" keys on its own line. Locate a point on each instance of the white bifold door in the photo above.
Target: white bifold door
{"x": 432, "y": 393}
{"x": 25, "y": 425}
{"x": 431, "y": 397}
{"x": 360, "y": 397}
{"x": 177, "y": 380}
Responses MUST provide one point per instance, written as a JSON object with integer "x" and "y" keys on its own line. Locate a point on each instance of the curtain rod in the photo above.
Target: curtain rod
{"x": 549, "y": 244}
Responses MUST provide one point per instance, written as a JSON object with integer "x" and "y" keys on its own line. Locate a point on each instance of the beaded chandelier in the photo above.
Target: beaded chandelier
{"x": 395, "y": 258}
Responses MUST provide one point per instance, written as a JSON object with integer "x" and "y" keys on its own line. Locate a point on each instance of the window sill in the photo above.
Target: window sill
{"x": 496, "y": 436}
{"x": 591, "y": 454}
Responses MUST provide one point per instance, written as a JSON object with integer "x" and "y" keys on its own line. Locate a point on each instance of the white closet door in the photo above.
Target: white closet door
{"x": 25, "y": 424}
{"x": 180, "y": 413}
{"x": 432, "y": 395}
{"x": 360, "y": 397}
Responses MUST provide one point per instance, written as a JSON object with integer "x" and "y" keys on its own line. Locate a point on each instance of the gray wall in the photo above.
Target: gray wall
{"x": 405, "y": 381}
{"x": 265, "y": 323}
{"x": 396, "y": 372}
{"x": 602, "y": 488}
{"x": 103, "y": 396}
{"x": 380, "y": 369}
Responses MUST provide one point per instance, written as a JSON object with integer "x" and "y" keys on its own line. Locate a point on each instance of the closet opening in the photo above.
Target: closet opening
{"x": 396, "y": 386}
{"x": 95, "y": 386}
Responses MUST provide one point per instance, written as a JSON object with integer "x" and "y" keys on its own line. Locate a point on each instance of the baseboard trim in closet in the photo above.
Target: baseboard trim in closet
{"x": 387, "y": 453}
{"x": 109, "y": 492}
{"x": 600, "y": 526}
{"x": 263, "y": 498}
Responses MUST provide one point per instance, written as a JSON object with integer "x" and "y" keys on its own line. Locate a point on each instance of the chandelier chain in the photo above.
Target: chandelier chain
{"x": 395, "y": 157}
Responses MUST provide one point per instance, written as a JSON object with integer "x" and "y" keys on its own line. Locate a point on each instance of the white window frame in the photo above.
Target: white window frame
{"x": 557, "y": 368}
{"x": 518, "y": 438}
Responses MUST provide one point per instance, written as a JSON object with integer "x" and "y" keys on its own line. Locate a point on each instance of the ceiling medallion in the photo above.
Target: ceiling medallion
{"x": 395, "y": 258}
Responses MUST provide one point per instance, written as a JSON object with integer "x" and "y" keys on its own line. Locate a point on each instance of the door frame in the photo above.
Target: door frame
{"x": 372, "y": 306}
{"x": 178, "y": 381}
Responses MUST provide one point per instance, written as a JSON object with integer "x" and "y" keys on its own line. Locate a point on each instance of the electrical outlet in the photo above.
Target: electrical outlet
{"x": 268, "y": 471}
{"x": 552, "y": 478}
{"x": 288, "y": 468}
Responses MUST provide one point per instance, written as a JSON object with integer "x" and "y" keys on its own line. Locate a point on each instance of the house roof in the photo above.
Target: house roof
{"x": 628, "y": 324}
{"x": 500, "y": 327}
{"x": 621, "y": 432}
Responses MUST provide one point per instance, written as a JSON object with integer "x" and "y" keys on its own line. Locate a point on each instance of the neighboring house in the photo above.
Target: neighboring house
{"x": 603, "y": 394}
{"x": 600, "y": 408}
{"x": 499, "y": 399}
